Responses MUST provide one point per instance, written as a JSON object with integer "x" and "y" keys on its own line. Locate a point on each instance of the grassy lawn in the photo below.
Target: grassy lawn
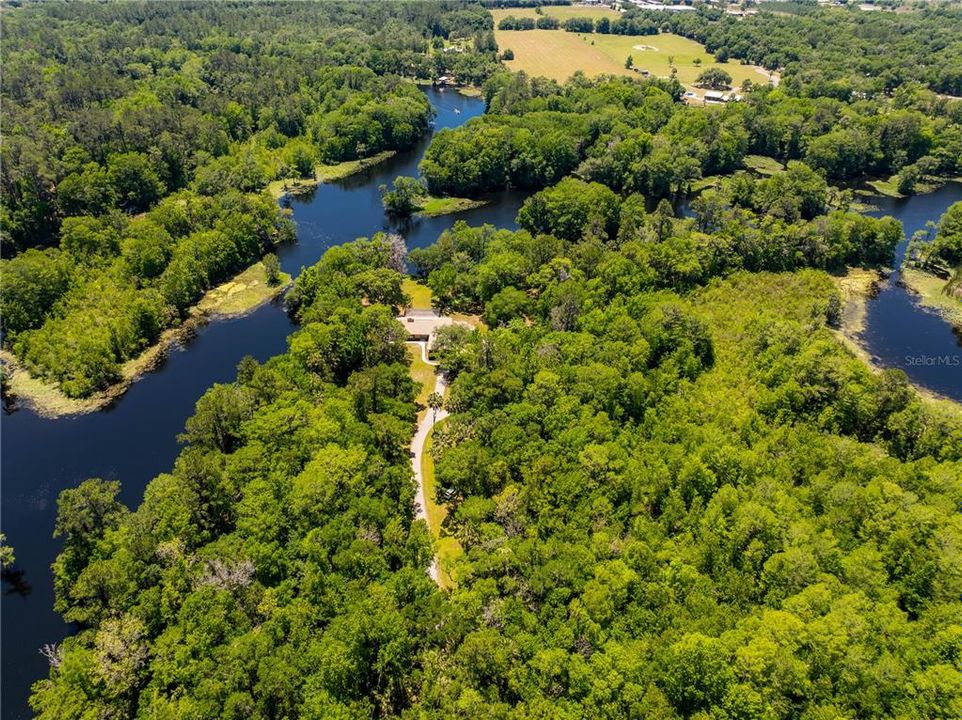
{"x": 420, "y": 294}
{"x": 561, "y": 12}
{"x": 763, "y": 165}
{"x": 433, "y": 206}
{"x": 558, "y": 54}
{"x": 422, "y": 373}
{"x": 325, "y": 173}
{"x": 449, "y": 549}
{"x": 242, "y": 293}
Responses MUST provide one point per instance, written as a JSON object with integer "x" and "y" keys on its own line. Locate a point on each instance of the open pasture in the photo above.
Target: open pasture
{"x": 557, "y": 54}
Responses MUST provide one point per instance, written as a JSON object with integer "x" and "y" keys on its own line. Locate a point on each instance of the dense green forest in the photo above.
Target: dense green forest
{"x": 109, "y": 108}
{"x": 678, "y": 494}
{"x": 835, "y": 52}
{"x": 635, "y": 137}
{"x": 672, "y": 505}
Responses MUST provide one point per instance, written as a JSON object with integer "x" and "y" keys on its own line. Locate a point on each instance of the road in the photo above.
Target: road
{"x": 417, "y": 451}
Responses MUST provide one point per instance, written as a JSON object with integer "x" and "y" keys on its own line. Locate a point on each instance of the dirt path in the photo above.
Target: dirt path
{"x": 417, "y": 451}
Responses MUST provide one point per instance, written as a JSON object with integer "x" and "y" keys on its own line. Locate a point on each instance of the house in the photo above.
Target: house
{"x": 422, "y": 325}
{"x": 716, "y": 96}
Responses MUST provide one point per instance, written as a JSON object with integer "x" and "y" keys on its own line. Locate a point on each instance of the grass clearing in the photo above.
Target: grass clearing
{"x": 712, "y": 181}
{"x": 473, "y": 321}
{"x": 763, "y": 165}
{"x": 433, "y": 206}
{"x": 420, "y": 294}
{"x": 562, "y": 12}
{"x": 325, "y": 173}
{"x": 448, "y": 547}
{"x": 558, "y": 54}
{"x": 421, "y": 373}
{"x": 929, "y": 289}
{"x": 887, "y": 188}
{"x": 242, "y": 293}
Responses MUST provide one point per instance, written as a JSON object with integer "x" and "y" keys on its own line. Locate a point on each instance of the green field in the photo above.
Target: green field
{"x": 562, "y": 12}
{"x": 558, "y": 54}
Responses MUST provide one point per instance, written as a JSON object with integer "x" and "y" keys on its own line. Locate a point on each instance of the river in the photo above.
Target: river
{"x": 900, "y": 333}
{"x": 135, "y": 439}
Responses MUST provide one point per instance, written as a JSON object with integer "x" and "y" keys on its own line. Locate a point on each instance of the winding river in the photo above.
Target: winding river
{"x": 135, "y": 439}
{"x": 900, "y": 333}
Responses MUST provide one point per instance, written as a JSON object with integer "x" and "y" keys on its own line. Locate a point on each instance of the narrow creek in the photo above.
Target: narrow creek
{"x": 135, "y": 439}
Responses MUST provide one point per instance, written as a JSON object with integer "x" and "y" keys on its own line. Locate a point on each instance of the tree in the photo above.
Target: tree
{"x": 629, "y": 62}
{"x": 569, "y": 208}
{"x": 435, "y": 402}
{"x": 272, "y": 269}
{"x": 406, "y": 197}
{"x": 89, "y": 192}
{"x": 6, "y": 553}
{"x": 714, "y": 79}
{"x": 134, "y": 180}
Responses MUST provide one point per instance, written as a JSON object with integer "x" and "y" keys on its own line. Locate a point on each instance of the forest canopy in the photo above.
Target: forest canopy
{"x": 136, "y": 139}
{"x": 678, "y": 495}
{"x": 671, "y": 504}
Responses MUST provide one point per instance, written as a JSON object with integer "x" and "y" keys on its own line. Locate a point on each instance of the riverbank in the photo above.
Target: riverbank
{"x": 928, "y": 290}
{"x": 325, "y": 173}
{"x": 857, "y": 287}
{"x": 434, "y": 206}
{"x": 239, "y": 296}
{"x": 889, "y": 188}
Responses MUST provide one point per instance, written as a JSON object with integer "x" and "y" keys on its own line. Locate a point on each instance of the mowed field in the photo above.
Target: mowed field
{"x": 562, "y": 12}
{"x": 558, "y": 54}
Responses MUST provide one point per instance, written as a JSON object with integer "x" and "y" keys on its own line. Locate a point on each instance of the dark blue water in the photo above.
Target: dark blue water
{"x": 136, "y": 439}
{"x": 899, "y": 332}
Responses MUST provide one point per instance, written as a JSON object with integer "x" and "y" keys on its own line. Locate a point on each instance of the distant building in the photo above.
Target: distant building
{"x": 715, "y": 96}
{"x": 645, "y": 5}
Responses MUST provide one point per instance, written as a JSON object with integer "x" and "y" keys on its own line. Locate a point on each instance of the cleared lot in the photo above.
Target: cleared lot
{"x": 558, "y": 54}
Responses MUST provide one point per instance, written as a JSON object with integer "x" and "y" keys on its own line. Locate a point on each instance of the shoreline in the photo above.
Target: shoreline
{"x": 325, "y": 174}
{"x": 887, "y": 187}
{"x": 856, "y": 287}
{"x": 437, "y": 206}
{"x": 24, "y": 391}
{"x": 927, "y": 289}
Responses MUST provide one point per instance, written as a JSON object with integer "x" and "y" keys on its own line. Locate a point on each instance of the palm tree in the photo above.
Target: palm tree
{"x": 435, "y": 402}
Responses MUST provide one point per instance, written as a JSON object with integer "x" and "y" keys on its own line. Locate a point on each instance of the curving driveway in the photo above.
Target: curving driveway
{"x": 417, "y": 450}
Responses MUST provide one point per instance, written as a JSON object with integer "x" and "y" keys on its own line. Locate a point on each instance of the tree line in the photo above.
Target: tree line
{"x": 632, "y": 135}
{"x": 627, "y": 24}
{"x": 856, "y": 53}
